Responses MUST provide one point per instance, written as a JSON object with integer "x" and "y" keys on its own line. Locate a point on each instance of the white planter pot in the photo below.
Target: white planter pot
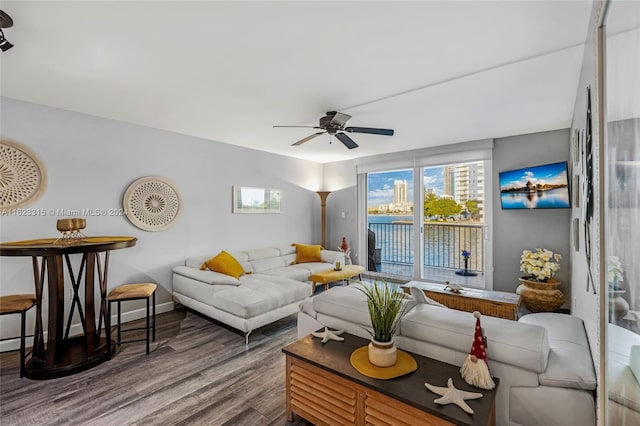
{"x": 382, "y": 354}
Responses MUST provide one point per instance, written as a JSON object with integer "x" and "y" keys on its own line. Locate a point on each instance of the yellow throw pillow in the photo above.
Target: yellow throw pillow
{"x": 225, "y": 264}
{"x": 308, "y": 253}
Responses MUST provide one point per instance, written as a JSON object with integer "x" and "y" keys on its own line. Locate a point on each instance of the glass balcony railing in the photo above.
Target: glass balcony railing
{"x": 443, "y": 244}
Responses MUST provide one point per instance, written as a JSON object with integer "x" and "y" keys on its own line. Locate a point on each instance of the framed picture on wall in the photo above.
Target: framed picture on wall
{"x": 576, "y": 190}
{"x": 575, "y": 147}
{"x": 255, "y": 200}
{"x": 576, "y": 234}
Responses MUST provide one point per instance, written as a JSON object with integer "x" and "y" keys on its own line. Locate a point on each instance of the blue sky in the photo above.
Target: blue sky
{"x": 381, "y": 184}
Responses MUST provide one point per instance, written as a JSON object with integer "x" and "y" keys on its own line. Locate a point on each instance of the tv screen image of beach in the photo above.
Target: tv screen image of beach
{"x": 538, "y": 187}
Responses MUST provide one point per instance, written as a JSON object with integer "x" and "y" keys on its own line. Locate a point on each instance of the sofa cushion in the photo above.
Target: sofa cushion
{"x": 347, "y": 303}
{"x": 308, "y": 253}
{"x": 331, "y": 256}
{"x": 570, "y": 364}
{"x": 196, "y": 262}
{"x": 224, "y": 263}
{"x": 259, "y": 294}
{"x": 312, "y": 267}
{"x": 622, "y": 385}
{"x": 287, "y": 250}
{"x": 265, "y": 264}
{"x": 510, "y": 342}
{"x": 290, "y": 272}
{"x": 263, "y": 253}
{"x": 209, "y": 277}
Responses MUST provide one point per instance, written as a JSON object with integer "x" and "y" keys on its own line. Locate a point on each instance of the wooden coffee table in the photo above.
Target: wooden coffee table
{"x": 324, "y": 388}
{"x": 492, "y": 303}
{"x": 331, "y": 275}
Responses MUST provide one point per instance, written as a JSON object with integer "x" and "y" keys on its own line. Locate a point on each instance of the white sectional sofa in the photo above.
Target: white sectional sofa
{"x": 543, "y": 361}
{"x": 271, "y": 288}
{"x": 623, "y": 388}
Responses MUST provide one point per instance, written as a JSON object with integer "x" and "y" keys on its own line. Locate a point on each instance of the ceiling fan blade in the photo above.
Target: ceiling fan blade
{"x": 307, "y": 139}
{"x": 306, "y": 127}
{"x": 371, "y": 130}
{"x": 339, "y": 119}
{"x": 346, "y": 140}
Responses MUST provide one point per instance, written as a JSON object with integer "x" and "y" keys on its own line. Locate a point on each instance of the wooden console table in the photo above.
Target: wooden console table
{"x": 323, "y": 387}
{"x": 63, "y": 355}
{"x": 492, "y": 303}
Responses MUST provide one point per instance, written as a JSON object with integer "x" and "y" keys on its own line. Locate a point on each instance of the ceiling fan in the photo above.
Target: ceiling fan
{"x": 334, "y": 124}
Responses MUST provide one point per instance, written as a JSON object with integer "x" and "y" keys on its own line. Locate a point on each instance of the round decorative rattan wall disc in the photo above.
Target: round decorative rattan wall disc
{"x": 152, "y": 203}
{"x": 23, "y": 177}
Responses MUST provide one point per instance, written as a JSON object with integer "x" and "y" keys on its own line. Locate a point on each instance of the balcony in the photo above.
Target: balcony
{"x": 443, "y": 245}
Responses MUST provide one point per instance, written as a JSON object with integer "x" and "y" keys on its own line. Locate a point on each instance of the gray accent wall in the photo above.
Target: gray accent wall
{"x": 90, "y": 162}
{"x": 518, "y": 230}
{"x": 513, "y": 231}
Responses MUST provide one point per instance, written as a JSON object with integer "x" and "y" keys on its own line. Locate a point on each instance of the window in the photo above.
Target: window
{"x": 418, "y": 220}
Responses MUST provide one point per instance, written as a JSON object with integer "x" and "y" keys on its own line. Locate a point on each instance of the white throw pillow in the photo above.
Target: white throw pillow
{"x": 420, "y": 297}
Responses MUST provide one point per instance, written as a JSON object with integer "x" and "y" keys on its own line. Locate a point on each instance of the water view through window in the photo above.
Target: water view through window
{"x": 452, "y": 209}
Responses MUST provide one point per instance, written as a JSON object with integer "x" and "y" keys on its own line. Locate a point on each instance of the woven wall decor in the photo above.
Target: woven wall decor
{"x": 152, "y": 203}
{"x": 23, "y": 177}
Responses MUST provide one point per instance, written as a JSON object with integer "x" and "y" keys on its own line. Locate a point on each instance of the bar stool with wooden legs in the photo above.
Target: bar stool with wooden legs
{"x": 19, "y": 304}
{"x": 128, "y": 292}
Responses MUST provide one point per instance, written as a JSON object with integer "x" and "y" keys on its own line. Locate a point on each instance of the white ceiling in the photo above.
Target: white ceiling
{"x": 437, "y": 72}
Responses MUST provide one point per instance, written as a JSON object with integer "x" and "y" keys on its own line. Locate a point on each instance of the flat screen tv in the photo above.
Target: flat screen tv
{"x": 537, "y": 187}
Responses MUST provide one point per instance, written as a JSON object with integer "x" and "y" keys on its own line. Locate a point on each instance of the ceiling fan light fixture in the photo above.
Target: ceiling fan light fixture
{"x": 333, "y": 123}
{"x": 4, "y": 43}
{"x": 5, "y": 22}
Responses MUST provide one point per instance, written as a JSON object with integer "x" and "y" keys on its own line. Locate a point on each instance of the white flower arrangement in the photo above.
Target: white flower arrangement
{"x": 540, "y": 265}
{"x": 614, "y": 271}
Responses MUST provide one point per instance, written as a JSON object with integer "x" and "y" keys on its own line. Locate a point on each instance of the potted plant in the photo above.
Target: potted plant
{"x": 618, "y": 306}
{"x": 387, "y": 306}
{"x": 539, "y": 290}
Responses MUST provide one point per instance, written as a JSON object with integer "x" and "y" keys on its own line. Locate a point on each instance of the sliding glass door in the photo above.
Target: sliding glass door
{"x": 429, "y": 223}
{"x": 390, "y": 222}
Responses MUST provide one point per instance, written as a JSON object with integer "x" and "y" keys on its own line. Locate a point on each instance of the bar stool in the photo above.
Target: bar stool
{"x": 128, "y": 292}
{"x": 18, "y": 304}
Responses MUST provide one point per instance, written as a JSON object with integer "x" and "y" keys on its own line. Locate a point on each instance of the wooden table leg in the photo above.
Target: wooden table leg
{"x": 92, "y": 341}
{"x": 55, "y": 331}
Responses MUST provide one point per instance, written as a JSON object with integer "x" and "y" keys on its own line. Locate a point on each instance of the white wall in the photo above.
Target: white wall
{"x": 91, "y": 161}
{"x": 342, "y": 211}
{"x": 586, "y": 304}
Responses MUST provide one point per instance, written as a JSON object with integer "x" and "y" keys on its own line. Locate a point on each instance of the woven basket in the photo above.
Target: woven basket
{"x": 468, "y": 304}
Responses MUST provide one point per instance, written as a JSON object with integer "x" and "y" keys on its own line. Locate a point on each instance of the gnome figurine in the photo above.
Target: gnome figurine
{"x": 475, "y": 369}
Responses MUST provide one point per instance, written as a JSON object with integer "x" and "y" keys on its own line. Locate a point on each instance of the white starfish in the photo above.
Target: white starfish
{"x": 329, "y": 335}
{"x": 452, "y": 395}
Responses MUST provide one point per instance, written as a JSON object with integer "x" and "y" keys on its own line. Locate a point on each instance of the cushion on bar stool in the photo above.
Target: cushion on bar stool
{"x": 16, "y": 303}
{"x": 132, "y": 291}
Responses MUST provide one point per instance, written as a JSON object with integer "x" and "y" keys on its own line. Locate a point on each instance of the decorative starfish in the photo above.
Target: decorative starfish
{"x": 452, "y": 395}
{"x": 329, "y": 335}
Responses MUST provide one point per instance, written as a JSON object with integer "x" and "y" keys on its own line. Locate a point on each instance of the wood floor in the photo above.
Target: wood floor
{"x": 198, "y": 373}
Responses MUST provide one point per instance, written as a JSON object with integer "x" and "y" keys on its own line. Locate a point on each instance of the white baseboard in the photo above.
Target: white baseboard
{"x": 14, "y": 344}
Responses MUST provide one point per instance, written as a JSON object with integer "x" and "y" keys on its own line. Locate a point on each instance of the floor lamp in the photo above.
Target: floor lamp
{"x": 323, "y": 217}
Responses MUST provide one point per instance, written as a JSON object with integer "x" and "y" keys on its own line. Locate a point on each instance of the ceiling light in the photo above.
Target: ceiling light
{"x": 4, "y": 44}
{"x": 5, "y": 22}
